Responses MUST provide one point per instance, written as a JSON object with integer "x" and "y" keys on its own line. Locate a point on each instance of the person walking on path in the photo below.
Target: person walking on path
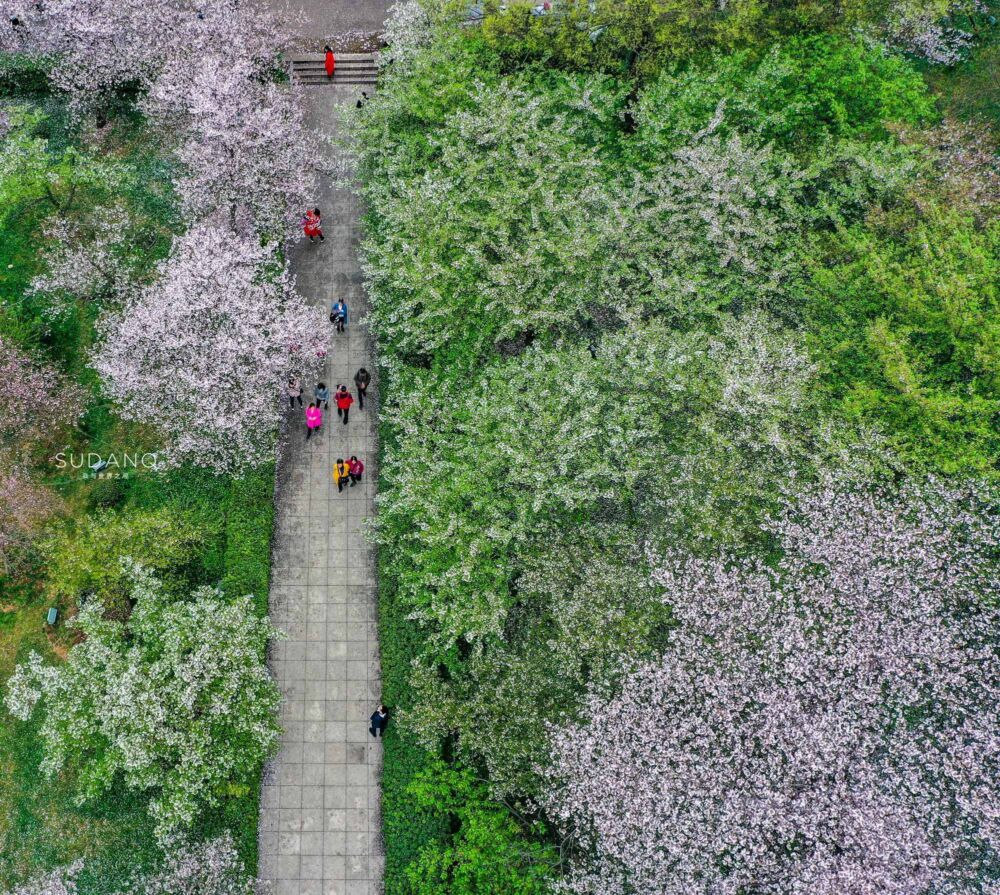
{"x": 355, "y": 467}
{"x": 344, "y": 401}
{"x": 312, "y": 225}
{"x": 361, "y": 380}
{"x": 294, "y": 391}
{"x": 314, "y": 419}
{"x": 341, "y": 474}
{"x": 380, "y": 718}
{"x": 338, "y": 314}
{"x": 322, "y": 395}
{"x": 329, "y": 63}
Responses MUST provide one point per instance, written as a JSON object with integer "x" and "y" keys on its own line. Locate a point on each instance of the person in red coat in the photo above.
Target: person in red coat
{"x": 312, "y": 226}
{"x": 329, "y": 63}
{"x": 344, "y": 401}
{"x": 355, "y": 468}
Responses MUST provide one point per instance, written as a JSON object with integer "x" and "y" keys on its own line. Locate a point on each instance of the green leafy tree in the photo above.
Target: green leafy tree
{"x": 176, "y": 702}
{"x": 638, "y": 37}
{"x": 31, "y": 169}
{"x": 84, "y": 556}
{"x": 487, "y": 854}
{"x": 799, "y": 95}
{"x": 904, "y": 311}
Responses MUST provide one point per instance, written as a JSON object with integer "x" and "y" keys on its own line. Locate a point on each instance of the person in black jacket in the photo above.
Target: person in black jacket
{"x": 361, "y": 380}
{"x": 380, "y": 718}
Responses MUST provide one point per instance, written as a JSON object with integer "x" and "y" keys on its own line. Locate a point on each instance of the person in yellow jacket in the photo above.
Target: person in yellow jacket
{"x": 341, "y": 474}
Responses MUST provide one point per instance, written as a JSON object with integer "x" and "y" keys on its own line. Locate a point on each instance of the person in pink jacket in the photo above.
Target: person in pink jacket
{"x": 314, "y": 419}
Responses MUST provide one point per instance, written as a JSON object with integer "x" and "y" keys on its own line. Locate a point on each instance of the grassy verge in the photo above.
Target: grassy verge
{"x": 405, "y": 829}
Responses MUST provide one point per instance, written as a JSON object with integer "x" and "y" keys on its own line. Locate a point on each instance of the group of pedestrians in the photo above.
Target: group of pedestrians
{"x": 346, "y": 473}
{"x": 342, "y": 398}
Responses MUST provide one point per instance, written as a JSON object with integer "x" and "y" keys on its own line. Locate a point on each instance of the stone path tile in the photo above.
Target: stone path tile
{"x": 319, "y": 824}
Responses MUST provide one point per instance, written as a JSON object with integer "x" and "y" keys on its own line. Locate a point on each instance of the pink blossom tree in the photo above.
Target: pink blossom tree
{"x": 94, "y": 46}
{"x": 245, "y": 148}
{"x": 37, "y": 407}
{"x": 97, "y": 46}
{"x": 92, "y": 257}
{"x": 24, "y": 506}
{"x": 203, "y": 352}
{"x": 825, "y": 726}
{"x": 37, "y": 403}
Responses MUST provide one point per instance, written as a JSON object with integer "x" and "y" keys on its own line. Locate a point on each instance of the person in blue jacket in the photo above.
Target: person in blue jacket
{"x": 338, "y": 314}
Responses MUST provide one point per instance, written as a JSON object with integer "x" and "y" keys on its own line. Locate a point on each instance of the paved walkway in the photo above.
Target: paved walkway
{"x": 316, "y": 22}
{"x": 319, "y": 824}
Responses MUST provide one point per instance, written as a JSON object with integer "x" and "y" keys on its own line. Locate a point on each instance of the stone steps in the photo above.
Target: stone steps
{"x": 352, "y": 68}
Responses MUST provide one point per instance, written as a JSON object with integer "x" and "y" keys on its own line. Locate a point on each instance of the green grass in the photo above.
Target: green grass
{"x": 39, "y": 826}
{"x": 406, "y": 830}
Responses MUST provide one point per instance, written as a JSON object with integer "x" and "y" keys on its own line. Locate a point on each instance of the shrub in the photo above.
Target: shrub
{"x": 84, "y": 557}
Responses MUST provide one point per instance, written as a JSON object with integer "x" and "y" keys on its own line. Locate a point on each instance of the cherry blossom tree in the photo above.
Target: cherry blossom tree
{"x": 242, "y": 139}
{"x": 824, "y": 726}
{"x": 966, "y": 161}
{"x": 93, "y": 46}
{"x": 97, "y": 46}
{"x": 61, "y": 881}
{"x": 203, "y": 352}
{"x": 177, "y": 701}
{"x": 37, "y": 406}
{"x": 24, "y": 505}
{"x": 92, "y": 257}
{"x": 246, "y": 149}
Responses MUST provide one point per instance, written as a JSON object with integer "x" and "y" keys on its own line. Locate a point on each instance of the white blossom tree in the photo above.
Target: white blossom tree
{"x": 203, "y": 352}
{"x": 408, "y": 29}
{"x": 205, "y": 868}
{"x": 716, "y": 226}
{"x": 824, "y": 726}
{"x": 177, "y": 700}
{"x": 926, "y": 28}
{"x": 61, "y": 881}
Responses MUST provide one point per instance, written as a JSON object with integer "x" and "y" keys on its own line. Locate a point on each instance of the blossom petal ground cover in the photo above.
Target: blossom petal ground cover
{"x": 687, "y": 326}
